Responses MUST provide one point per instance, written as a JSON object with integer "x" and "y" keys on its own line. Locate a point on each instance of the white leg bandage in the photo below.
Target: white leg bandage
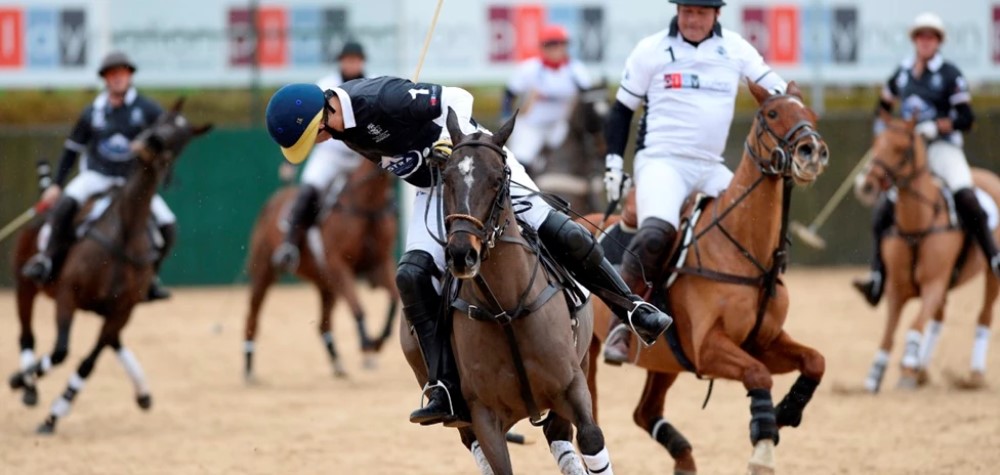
{"x": 979, "y": 348}
{"x": 60, "y": 407}
{"x": 566, "y": 457}
{"x": 481, "y": 462}
{"x": 27, "y": 359}
{"x": 930, "y": 343}
{"x": 877, "y": 371}
{"x": 911, "y": 352}
{"x": 134, "y": 370}
{"x": 599, "y": 463}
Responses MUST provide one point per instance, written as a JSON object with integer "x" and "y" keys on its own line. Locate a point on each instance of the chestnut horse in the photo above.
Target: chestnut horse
{"x": 518, "y": 348}
{"x": 355, "y": 238}
{"x": 922, "y": 253}
{"x": 107, "y": 272}
{"x": 728, "y": 302}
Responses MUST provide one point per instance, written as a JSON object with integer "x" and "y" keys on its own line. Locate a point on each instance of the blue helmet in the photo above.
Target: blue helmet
{"x": 700, "y": 3}
{"x": 293, "y": 119}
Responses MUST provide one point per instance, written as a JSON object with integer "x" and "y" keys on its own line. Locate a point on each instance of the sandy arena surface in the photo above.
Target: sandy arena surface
{"x": 300, "y": 419}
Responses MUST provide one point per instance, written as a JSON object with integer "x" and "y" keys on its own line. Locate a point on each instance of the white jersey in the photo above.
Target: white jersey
{"x": 547, "y": 94}
{"x": 690, "y": 91}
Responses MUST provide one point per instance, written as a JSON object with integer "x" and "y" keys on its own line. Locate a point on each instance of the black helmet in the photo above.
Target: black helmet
{"x": 700, "y": 3}
{"x": 352, "y": 48}
{"x": 115, "y": 59}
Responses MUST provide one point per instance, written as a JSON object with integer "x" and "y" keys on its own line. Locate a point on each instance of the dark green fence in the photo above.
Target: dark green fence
{"x": 225, "y": 177}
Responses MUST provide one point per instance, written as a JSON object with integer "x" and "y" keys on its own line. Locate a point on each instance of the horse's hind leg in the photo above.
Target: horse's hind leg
{"x": 341, "y": 278}
{"x": 559, "y": 433}
{"x": 928, "y": 345}
{"x": 591, "y": 368}
{"x": 785, "y": 355}
{"x": 491, "y": 437}
{"x": 721, "y": 357}
{"x": 134, "y": 370}
{"x": 26, "y": 293}
{"x": 589, "y": 436}
{"x": 981, "y": 343}
{"x": 64, "y": 319}
{"x": 649, "y": 416}
{"x": 327, "y": 301}
{"x": 262, "y": 276}
{"x": 932, "y": 299}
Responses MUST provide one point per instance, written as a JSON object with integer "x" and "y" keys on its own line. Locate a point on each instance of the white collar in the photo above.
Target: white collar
{"x": 102, "y": 99}
{"x": 346, "y": 108}
{"x": 933, "y": 65}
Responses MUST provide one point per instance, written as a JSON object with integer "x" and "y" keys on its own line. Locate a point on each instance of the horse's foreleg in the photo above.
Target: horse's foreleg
{"x": 592, "y": 354}
{"x": 931, "y": 301}
{"x": 721, "y": 357}
{"x": 873, "y": 381}
{"x": 785, "y": 355}
{"x": 262, "y": 276}
{"x": 134, "y": 370}
{"x": 64, "y": 320}
{"x": 491, "y": 438}
{"x": 648, "y": 415}
{"x": 559, "y": 434}
{"x": 929, "y": 344}
{"x": 386, "y": 277}
{"x": 26, "y": 292}
{"x": 578, "y": 407}
{"x": 327, "y": 299}
{"x": 981, "y": 344}
{"x": 342, "y": 279}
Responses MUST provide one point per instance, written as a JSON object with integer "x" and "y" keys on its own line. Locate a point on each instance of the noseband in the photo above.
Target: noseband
{"x": 780, "y": 163}
{"x": 895, "y": 173}
{"x": 487, "y": 231}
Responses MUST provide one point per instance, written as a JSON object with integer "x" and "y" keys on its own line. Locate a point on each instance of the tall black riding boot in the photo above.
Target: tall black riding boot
{"x": 300, "y": 218}
{"x": 647, "y": 255}
{"x": 156, "y": 289}
{"x": 577, "y": 250}
{"x": 421, "y": 307}
{"x": 882, "y": 218}
{"x": 975, "y": 222}
{"x": 44, "y": 266}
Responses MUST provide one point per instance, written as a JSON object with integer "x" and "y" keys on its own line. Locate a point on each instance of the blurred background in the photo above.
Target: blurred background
{"x": 228, "y": 56}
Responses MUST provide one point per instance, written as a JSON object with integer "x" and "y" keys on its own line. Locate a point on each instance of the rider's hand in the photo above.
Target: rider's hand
{"x": 441, "y": 150}
{"x": 945, "y": 125}
{"x": 615, "y": 178}
{"x": 49, "y": 197}
{"x": 927, "y": 129}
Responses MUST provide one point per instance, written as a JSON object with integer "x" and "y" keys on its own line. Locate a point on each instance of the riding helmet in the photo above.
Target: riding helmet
{"x": 928, "y": 21}
{"x": 352, "y": 48}
{"x": 115, "y": 59}
{"x": 700, "y": 3}
{"x": 293, "y": 119}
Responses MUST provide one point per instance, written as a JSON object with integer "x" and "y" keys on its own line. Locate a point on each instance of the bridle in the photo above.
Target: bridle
{"x": 895, "y": 173}
{"x": 489, "y": 230}
{"x": 780, "y": 162}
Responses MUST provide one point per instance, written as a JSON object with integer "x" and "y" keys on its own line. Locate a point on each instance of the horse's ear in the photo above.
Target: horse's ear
{"x": 759, "y": 93}
{"x": 453, "y": 128}
{"x": 503, "y": 133}
{"x": 201, "y": 129}
{"x": 178, "y": 104}
{"x": 793, "y": 90}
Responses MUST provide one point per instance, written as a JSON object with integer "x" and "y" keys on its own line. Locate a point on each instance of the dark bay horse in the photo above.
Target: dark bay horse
{"x": 728, "y": 303}
{"x": 574, "y": 170}
{"x": 108, "y": 271}
{"x": 355, "y": 238}
{"x": 529, "y": 355}
{"x": 922, "y": 253}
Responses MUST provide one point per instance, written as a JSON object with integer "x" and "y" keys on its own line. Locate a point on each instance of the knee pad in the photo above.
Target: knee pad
{"x": 414, "y": 279}
{"x": 564, "y": 237}
{"x": 654, "y": 238}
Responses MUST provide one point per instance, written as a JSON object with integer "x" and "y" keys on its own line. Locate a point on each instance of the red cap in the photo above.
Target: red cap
{"x": 553, "y": 34}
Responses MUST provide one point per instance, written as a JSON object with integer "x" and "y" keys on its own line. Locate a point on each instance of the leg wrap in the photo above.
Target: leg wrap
{"x": 789, "y": 410}
{"x": 669, "y": 437}
{"x": 763, "y": 424}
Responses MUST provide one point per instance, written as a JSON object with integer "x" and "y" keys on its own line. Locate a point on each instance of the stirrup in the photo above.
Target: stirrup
{"x": 38, "y": 259}
{"x": 638, "y": 304}
{"x": 438, "y": 384}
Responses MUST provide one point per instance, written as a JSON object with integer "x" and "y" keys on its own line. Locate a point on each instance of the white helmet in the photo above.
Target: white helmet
{"x": 928, "y": 21}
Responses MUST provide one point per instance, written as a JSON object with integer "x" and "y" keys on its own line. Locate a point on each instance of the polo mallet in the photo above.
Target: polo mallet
{"x": 44, "y": 180}
{"x": 810, "y": 235}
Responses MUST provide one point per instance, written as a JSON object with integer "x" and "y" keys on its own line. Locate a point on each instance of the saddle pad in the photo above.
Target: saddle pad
{"x": 990, "y": 207}
{"x": 614, "y": 240}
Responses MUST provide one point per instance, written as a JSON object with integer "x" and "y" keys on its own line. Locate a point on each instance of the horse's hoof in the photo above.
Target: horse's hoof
{"x": 684, "y": 472}
{"x": 973, "y": 381}
{"x": 907, "y": 383}
{"x": 46, "y": 428}
{"x": 16, "y": 381}
{"x": 145, "y": 401}
{"x": 338, "y": 370}
{"x": 250, "y": 380}
{"x": 369, "y": 362}
{"x": 754, "y": 469}
{"x": 30, "y": 396}
{"x": 762, "y": 459}
{"x": 923, "y": 377}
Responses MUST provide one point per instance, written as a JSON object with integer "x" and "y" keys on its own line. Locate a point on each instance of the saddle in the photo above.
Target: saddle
{"x": 90, "y": 213}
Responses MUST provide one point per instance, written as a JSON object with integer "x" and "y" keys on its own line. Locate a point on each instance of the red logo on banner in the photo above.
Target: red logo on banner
{"x": 528, "y": 20}
{"x": 996, "y": 34}
{"x": 11, "y": 38}
{"x": 774, "y": 32}
{"x": 502, "y": 34}
{"x": 272, "y": 46}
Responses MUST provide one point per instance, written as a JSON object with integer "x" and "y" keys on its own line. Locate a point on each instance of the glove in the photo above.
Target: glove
{"x": 615, "y": 178}
{"x": 928, "y": 129}
{"x": 441, "y": 151}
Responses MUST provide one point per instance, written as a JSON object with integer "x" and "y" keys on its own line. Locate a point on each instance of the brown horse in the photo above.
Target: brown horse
{"x": 574, "y": 169}
{"x": 922, "y": 253}
{"x": 355, "y": 238}
{"x": 728, "y": 303}
{"x": 519, "y": 351}
{"x": 108, "y": 271}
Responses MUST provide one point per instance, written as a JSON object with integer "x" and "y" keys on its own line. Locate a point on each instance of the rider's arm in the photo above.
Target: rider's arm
{"x": 887, "y": 97}
{"x": 412, "y": 103}
{"x": 960, "y": 100}
{"x": 635, "y": 82}
{"x": 75, "y": 145}
{"x": 619, "y": 123}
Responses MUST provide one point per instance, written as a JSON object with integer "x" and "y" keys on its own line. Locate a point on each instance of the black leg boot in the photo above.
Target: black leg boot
{"x": 156, "y": 289}
{"x": 883, "y": 217}
{"x": 421, "y": 307}
{"x": 644, "y": 261}
{"x": 577, "y": 250}
{"x": 44, "y": 266}
{"x": 300, "y": 218}
{"x": 974, "y": 221}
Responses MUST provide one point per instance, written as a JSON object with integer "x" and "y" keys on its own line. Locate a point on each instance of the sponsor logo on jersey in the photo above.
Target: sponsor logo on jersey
{"x": 693, "y": 81}
{"x": 403, "y": 165}
{"x": 377, "y": 132}
{"x": 115, "y": 148}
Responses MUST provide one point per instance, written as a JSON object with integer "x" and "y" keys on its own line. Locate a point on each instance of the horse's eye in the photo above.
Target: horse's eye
{"x": 773, "y": 114}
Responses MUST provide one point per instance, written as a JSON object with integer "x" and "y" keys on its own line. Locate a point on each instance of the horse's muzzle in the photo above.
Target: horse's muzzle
{"x": 810, "y": 159}
{"x": 462, "y": 257}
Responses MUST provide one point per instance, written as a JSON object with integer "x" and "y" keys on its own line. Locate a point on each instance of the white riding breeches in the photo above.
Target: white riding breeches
{"x": 663, "y": 183}
{"x": 419, "y": 228}
{"x": 528, "y": 140}
{"x": 89, "y": 183}
{"x": 947, "y": 161}
{"x": 329, "y": 160}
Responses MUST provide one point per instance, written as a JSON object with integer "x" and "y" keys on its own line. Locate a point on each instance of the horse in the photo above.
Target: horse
{"x": 727, "y": 299}
{"x": 574, "y": 170}
{"x": 355, "y": 238}
{"x": 926, "y": 253}
{"x": 107, "y": 272}
{"x": 519, "y": 352}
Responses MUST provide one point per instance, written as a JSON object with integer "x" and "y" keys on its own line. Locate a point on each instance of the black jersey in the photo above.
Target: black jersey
{"x": 934, "y": 95}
